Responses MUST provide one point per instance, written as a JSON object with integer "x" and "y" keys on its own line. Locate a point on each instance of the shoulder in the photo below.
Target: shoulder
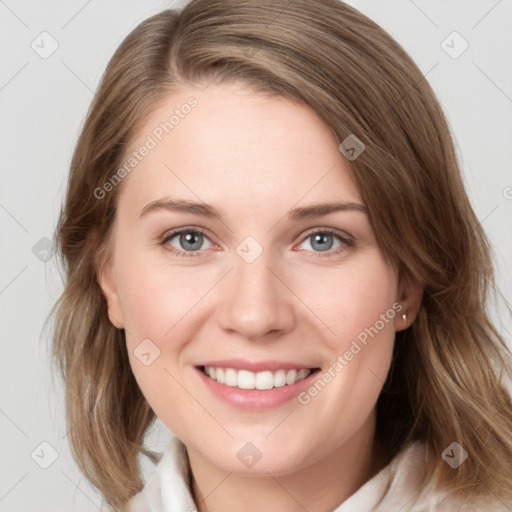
{"x": 408, "y": 492}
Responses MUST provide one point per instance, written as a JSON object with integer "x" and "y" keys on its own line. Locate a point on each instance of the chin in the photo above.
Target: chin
{"x": 257, "y": 458}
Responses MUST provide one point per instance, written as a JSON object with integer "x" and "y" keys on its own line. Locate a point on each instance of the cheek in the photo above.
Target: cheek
{"x": 358, "y": 305}
{"x": 352, "y": 300}
{"x": 157, "y": 302}
{"x": 160, "y": 306}
{"x": 154, "y": 297}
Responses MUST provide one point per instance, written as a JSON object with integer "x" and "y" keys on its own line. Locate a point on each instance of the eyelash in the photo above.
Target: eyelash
{"x": 188, "y": 254}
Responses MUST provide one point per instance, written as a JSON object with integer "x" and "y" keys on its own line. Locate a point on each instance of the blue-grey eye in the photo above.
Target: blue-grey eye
{"x": 187, "y": 240}
{"x": 322, "y": 241}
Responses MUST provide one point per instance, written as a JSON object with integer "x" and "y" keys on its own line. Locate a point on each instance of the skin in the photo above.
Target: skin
{"x": 254, "y": 158}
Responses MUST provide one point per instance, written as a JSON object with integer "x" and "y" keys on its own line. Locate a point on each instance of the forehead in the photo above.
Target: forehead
{"x": 230, "y": 146}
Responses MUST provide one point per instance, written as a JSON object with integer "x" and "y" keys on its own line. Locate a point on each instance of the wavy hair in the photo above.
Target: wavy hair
{"x": 451, "y": 367}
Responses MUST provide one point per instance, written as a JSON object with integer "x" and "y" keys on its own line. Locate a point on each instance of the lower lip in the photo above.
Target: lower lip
{"x": 256, "y": 399}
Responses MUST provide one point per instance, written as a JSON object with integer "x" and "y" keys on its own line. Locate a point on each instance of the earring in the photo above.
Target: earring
{"x": 404, "y": 316}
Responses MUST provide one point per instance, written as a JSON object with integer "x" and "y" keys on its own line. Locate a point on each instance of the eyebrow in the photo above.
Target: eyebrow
{"x": 208, "y": 211}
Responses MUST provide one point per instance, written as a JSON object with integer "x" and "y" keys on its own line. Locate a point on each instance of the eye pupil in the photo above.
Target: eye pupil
{"x": 191, "y": 240}
{"x": 319, "y": 241}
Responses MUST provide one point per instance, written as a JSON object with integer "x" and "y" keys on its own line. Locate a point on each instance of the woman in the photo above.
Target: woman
{"x": 268, "y": 246}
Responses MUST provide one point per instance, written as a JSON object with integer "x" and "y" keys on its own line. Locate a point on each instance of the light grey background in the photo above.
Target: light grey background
{"x": 43, "y": 103}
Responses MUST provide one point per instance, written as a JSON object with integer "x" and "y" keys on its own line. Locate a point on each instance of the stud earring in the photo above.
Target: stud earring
{"x": 404, "y": 316}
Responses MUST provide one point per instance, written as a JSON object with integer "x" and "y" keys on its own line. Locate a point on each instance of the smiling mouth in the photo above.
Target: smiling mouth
{"x": 245, "y": 379}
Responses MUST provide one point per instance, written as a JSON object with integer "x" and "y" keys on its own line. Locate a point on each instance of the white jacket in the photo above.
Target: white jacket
{"x": 394, "y": 489}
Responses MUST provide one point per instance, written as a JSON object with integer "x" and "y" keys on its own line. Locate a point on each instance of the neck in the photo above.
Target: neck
{"x": 320, "y": 486}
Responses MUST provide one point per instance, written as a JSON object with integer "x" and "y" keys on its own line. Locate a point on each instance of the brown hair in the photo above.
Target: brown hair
{"x": 447, "y": 378}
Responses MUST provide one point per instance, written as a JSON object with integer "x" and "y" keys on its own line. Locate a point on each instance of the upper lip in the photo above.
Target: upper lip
{"x": 256, "y": 366}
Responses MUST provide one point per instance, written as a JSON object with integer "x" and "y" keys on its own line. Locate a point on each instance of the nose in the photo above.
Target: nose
{"x": 255, "y": 301}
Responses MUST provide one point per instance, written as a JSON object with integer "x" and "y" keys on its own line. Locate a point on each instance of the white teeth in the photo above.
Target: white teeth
{"x": 291, "y": 376}
{"x": 244, "y": 379}
{"x": 279, "y": 378}
{"x": 230, "y": 377}
{"x": 264, "y": 380}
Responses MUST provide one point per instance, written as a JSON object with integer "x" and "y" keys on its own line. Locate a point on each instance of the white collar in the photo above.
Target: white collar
{"x": 395, "y": 487}
{"x": 168, "y": 488}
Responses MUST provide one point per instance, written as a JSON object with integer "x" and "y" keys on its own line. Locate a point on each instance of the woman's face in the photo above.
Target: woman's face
{"x": 223, "y": 256}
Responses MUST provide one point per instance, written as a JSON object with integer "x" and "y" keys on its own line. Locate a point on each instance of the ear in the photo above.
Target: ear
{"x": 409, "y": 296}
{"x": 107, "y": 281}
